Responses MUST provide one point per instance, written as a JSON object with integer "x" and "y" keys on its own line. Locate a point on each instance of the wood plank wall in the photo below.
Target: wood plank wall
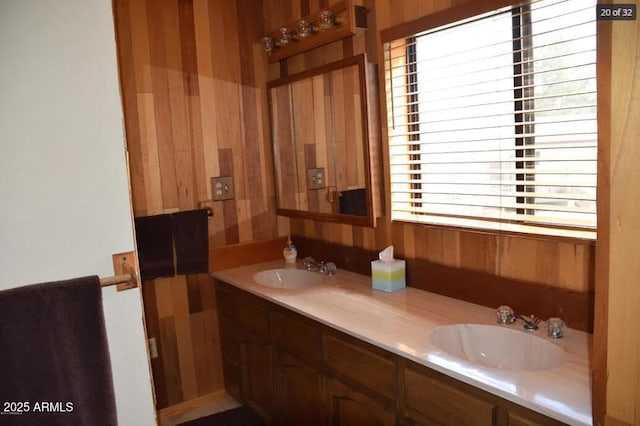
{"x": 559, "y": 263}
{"x": 193, "y": 80}
{"x": 622, "y": 340}
{"x": 193, "y": 85}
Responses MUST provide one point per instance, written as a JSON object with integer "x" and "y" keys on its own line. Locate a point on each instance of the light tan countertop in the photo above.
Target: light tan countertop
{"x": 401, "y": 322}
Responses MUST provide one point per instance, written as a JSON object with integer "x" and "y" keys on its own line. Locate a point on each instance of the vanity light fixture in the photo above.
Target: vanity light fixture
{"x": 285, "y": 36}
{"x": 268, "y": 44}
{"x": 326, "y": 19}
{"x": 339, "y": 20}
{"x": 303, "y": 28}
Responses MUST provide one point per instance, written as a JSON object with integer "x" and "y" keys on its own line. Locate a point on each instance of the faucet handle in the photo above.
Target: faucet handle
{"x": 308, "y": 261}
{"x": 505, "y": 315}
{"x": 555, "y": 328}
{"x": 531, "y": 322}
{"x": 331, "y": 268}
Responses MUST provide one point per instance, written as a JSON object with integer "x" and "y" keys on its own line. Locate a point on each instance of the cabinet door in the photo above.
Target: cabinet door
{"x": 430, "y": 400}
{"x": 350, "y": 408}
{"x": 230, "y": 351}
{"x": 301, "y": 392}
{"x": 257, "y": 375}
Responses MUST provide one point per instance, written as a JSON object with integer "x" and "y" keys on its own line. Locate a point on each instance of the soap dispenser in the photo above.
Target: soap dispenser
{"x": 290, "y": 253}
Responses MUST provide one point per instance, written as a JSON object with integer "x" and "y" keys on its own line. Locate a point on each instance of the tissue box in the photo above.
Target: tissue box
{"x": 388, "y": 276}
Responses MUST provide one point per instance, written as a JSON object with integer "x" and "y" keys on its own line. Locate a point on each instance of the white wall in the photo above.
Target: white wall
{"x": 64, "y": 196}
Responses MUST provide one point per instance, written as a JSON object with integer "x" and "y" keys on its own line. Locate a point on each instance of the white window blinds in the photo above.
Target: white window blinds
{"x": 492, "y": 121}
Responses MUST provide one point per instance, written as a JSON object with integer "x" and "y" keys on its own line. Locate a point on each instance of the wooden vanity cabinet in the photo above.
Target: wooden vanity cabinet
{"x": 247, "y": 353}
{"x": 299, "y": 373}
{"x": 292, "y": 370}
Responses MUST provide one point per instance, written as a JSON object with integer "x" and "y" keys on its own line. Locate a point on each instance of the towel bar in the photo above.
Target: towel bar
{"x": 118, "y": 279}
{"x": 126, "y": 276}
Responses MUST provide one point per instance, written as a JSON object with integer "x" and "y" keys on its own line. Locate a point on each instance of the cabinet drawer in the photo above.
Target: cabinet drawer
{"x": 297, "y": 336}
{"x": 445, "y": 404}
{"x": 366, "y": 368}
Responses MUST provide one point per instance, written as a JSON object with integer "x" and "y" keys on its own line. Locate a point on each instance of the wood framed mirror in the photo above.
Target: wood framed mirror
{"x": 321, "y": 143}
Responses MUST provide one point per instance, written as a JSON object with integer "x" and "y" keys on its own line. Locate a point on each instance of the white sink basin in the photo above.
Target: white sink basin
{"x": 497, "y": 347}
{"x": 287, "y": 278}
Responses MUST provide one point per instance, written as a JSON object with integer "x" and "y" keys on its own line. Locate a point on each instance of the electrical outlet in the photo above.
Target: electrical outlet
{"x": 222, "y": 188}
{"x": 316, "y": 178}
{"x": 153, "y": 348}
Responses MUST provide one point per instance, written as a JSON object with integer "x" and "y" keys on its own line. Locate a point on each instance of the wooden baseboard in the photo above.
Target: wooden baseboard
{"x": 205, "y": 405}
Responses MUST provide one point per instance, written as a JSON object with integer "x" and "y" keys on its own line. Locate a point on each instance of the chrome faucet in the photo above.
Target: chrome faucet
{"x": 325, "y": 268}
{"x": 505, "y": 316}
{"x": 530, "y": 322}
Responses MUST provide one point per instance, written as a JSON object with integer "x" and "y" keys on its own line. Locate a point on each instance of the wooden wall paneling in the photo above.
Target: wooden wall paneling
{"x": 623, "y": 340}
{"x": 164, "y": 296}
{"x": 235, "y": 255}
{"x": 128, "y": 66}
{"x": 188, "y": 49}
{"x": 150, "y": 163}
{"x": 160, "y": 83}
{"x": 206, "y": 350}
{"x": 201, "y": 190}
{"x": 478, "y": 251}
{"x": 194, "y": 108}
{"x": 601, "y": 284}
{"x": 576, "y": 266}
{"x": 229, "y": 207}
{"x": 184, "y": 343}
{"x": 250, "y": 30}
{"x": 168, "y": 351}
{"x": 152, "y": 324}
{"x": 203, "y": 350}
{"x": 182, "y": 69}
{"x": 206, "y": 91}
{"x": 488, "y": 289}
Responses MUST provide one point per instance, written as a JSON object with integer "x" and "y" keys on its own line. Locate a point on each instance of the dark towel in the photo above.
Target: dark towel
{"x": 191, "y": 239}
{"x": 353, "y": 202}
{"x": 154, "y": 239}
{"x": 54, "y": 355}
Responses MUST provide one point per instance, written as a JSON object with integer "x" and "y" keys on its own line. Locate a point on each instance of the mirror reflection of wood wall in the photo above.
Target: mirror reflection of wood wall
{"x": 319, "y": 124}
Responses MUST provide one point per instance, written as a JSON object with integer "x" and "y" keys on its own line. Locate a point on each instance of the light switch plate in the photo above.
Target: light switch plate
{"x": 222, "y": 188}
{"x": 316, "y": 178}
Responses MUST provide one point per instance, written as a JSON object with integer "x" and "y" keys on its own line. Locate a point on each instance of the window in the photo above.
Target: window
{"x": 492, "y": 121}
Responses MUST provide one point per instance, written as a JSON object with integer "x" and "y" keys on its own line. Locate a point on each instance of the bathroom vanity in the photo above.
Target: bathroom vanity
{"x": 337, "y": 352}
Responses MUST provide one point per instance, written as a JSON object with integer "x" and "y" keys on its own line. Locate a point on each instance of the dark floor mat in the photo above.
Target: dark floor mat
{"x": 240, "y": 416}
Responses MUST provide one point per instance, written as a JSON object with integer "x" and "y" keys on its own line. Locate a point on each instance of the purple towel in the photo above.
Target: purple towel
{"x": 54, "y": 360}
{"x": 154, "y": 241}
{"x": 191, "y": 240}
